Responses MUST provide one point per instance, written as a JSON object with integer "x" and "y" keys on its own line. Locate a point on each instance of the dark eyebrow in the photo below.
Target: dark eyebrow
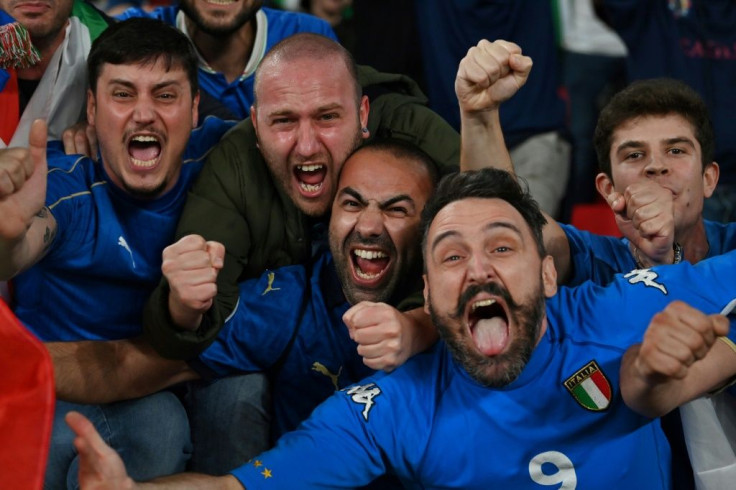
{"x": 129, "y": 84}
{"x": 680, "y": 139}
{"x": 383, "y": 205}
{"x": 630, "y": 144}
{"x": 490, "y": 226}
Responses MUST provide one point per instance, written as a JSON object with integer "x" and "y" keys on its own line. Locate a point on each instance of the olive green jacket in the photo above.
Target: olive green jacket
{"x": 236, "y": 202}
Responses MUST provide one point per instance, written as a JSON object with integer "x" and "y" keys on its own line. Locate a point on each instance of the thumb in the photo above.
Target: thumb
{"x": 37, "y": 145}
{"x": 216, "y": 250}
{"x": 616, "y": 201}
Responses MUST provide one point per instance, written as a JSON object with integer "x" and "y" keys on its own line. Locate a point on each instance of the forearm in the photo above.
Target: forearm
{"x": 656, "y": 395}
{"x": 108, "y": 371}
{"x": 192, "y": 481}
{"x": 23, "y": 250}
{"x": 482, "y": 143}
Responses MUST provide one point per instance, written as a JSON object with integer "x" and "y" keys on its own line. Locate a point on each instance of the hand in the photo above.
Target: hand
{"x": 100, "y": 467}
{"x": 23, "y": 183}
{"x": 490, "y": 74}
{"x": 191, "y": 266}
{"x": 382, "y": 333}
{"x": 645, "y": 214}
{"x": 81, "y": 139}
{"x": 675, "y": 339}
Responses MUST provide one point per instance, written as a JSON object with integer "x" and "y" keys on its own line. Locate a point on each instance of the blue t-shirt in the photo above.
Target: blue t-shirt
{"x": 106, "y": 257}
{"x": 598, "y": 258}
{"x": 272, "y": 27}
{"x": 562, "y": 421}
{"x": 289, "y": 322}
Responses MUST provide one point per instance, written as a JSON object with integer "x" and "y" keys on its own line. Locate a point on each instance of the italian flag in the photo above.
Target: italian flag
{"x": 593, "y": 391}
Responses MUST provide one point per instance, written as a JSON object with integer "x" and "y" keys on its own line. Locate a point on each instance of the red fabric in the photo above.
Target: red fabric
{"x": 596, "y": 218}
{"x": 10, "y": 115}
{"x": 26, "y": 404}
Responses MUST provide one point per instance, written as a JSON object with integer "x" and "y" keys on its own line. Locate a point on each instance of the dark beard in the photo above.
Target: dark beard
{"x": 500, "y": 370}
{"x": 221, "y": 31}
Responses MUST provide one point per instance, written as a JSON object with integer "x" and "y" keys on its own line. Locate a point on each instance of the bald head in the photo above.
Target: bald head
{"x": 310, "y": 47}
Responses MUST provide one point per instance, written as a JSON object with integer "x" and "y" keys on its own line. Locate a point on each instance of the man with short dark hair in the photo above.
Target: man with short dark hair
{"x": 83, "y": 240}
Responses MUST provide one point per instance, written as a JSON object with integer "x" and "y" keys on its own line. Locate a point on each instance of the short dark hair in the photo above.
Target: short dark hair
{"x": 311, "y": 46}
{"x": 142, "y": 40}
{"x": 487, "y": 183}
{"x": 654, "y": 97}
{"x": 403, "y": 150}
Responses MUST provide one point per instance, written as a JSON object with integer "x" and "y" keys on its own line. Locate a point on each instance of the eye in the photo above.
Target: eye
{"x": 281, "y": 121}
{"x": 351, "y": 204}
{"x": 397, "y": 211}
{"x": 634, "y": 155}
{"x": 330, "y": 116}
{"x": 501, "y": 249}
{"x": 166, "y": 96}
{"x": 121, "y": 94}
{"x": 677, "y": 151}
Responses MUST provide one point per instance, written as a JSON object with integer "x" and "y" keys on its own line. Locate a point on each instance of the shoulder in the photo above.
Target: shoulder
{"x": 283, "y": 23}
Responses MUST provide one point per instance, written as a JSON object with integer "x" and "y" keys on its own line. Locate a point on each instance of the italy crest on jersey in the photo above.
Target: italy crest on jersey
{"x": 590, "y": 387}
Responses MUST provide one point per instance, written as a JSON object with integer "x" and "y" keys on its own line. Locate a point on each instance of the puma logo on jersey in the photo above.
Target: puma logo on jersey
{"x": 124, "y": 244}
{"x": 364, "y": 395}
{"x": 322, "y": 369}
{"x": 647, "y": 277}
{"x": 269, "y": 287}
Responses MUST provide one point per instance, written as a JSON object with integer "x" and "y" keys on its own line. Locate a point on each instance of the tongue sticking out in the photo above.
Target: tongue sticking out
{"x": 491, "y": 335}
{"x": 144, "y": 151}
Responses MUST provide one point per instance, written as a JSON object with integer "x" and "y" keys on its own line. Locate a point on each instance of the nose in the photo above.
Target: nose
{"x": 370, "y": 221}
{"x": 143, "y": 112}
{"x": 656, "y": 167}
{"x": 480, "y": 268}
{"x": 307, "y": 143}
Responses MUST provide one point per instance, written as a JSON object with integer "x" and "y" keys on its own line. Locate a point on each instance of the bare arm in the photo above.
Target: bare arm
{"x": 27, "y": 228}
{"x": 107, "y": 371}
{"x": 680, "y": 359}
{"x": 100, "y": 467}
{"x": 490, "y": 74}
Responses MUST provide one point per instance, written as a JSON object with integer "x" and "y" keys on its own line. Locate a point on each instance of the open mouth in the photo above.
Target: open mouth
{"x": 144, "y": 151}
{"x": 369, "y": 266}
{"x": 489, "y": 326}
{"x": 310, "y": 178}
{"x": 221, "y": 2}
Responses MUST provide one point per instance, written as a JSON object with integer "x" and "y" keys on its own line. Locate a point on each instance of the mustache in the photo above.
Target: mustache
{"x": 475, "y": 289}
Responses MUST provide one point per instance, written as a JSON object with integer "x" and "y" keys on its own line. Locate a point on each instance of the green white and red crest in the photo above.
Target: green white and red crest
{"x": 590, "y": 387}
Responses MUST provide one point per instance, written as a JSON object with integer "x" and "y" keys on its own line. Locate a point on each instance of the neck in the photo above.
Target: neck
{"x": 332, "y": 16}
{"x": 694, "y": 242}
{"x": 228, "y": 54}
{"x": 46, "y": 46}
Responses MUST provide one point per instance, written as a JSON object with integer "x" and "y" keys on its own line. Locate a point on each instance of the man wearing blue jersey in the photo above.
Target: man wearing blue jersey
{"x": 527, "y": 376}
{"x": 83, "y": 242}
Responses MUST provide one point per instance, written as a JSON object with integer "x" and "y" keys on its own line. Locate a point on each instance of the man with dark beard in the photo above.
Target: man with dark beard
{"x": 524, "y": 389}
